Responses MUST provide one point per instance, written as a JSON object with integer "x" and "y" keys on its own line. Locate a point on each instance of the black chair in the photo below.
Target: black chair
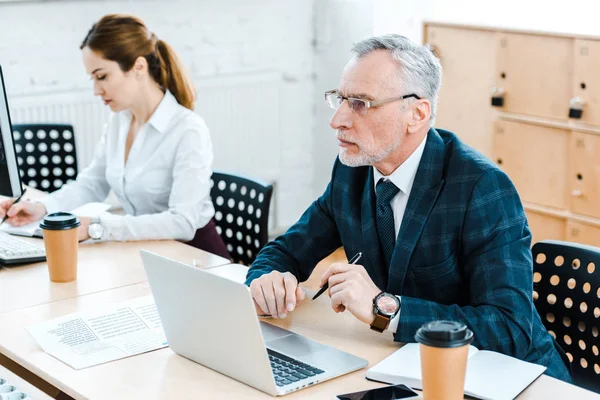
{"x": 46, "y": 154}
{"x": 567, "y": 296}
{"x": 241, "y": 214}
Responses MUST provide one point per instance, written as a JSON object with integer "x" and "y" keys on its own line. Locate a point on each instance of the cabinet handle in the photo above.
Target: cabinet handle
{"x": 576, "y": 107}
{"x": 576, "y": 193}
{"x": 575, "y": 232}
{"x": 498, "y": 97}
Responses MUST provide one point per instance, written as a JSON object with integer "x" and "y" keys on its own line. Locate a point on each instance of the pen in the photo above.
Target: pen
{"x": 15, "y": 202}
{"x": 354, "y": 260}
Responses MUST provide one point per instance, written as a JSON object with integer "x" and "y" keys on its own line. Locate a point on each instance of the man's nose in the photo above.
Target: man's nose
{"x": 342, "y": 118}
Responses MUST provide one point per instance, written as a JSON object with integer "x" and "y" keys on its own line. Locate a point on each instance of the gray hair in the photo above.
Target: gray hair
{"x": 420, "y": 70}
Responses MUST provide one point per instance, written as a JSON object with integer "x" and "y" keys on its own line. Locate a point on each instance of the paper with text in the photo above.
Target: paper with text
{"x": 82, "y": 340}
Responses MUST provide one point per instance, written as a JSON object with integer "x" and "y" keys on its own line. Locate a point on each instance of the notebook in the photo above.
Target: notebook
{"x": 33, "y": 229}
{"x": 490, "y": 375}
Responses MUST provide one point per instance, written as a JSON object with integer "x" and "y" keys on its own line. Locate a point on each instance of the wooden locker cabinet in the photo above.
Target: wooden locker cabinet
{"x": 534, "y": 158}
{"x": 585, "y": 174}
{"x": 536, "y": 73}
{"x": 583, "y": 233}
{"x": 469, "y": 58}
{"x": 553, "y": 159}
{"x": 544, "y": 226}
{"x": 586, "y": 79}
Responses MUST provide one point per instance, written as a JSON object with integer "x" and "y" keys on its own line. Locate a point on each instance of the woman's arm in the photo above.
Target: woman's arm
{"x": 189, "y": 201}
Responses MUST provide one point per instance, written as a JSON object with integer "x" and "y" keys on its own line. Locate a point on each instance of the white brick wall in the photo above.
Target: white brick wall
{"x": 39, "y": 52}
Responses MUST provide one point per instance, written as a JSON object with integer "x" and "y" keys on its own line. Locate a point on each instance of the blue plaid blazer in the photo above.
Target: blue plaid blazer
{"x": 462, "y": 254}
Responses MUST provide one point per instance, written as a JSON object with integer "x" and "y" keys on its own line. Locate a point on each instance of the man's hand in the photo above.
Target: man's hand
{"x": 351, "y": 288}
{"x": 83, "y": 228}
{"x": 277, "y": 293}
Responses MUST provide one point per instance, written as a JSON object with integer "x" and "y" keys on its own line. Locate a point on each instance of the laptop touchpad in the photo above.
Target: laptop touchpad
{"x": 295, "y": 346}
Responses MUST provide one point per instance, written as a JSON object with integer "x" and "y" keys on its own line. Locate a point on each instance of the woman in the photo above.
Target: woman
{"x": 155, "y": 153}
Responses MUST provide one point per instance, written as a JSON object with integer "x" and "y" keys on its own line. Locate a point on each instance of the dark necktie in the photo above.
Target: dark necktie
{"x": 386, "y": 190}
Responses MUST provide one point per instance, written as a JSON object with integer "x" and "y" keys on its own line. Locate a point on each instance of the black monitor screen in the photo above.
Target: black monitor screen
{"x": 10, "y": 181}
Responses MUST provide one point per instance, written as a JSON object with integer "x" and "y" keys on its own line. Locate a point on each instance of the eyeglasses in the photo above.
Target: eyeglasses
{"x": 335, "y": 99}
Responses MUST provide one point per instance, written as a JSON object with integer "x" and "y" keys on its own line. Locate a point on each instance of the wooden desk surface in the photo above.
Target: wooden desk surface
{"x": 101, "y": 266}
{"x": 163, "y": 374}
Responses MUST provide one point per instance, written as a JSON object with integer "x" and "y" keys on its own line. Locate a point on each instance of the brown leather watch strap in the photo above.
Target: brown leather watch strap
{"x": 380, "y": 323}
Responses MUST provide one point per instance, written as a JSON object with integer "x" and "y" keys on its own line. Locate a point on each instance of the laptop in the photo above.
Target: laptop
{"x": 211, "y": 320}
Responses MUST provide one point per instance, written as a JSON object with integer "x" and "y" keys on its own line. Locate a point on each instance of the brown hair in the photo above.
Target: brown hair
{"x": 124, "y": 38}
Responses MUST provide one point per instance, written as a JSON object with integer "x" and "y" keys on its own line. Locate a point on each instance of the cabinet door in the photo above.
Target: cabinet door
{"x": 536, "y": 72}
{"x": 535, "y": 159}
{"x": 585, "y": 174}
{"x": 583, "y": 233}
{"x": 586, "y": 79}
{"x": 468, "y": 59}
{"x": 545, "y": 227}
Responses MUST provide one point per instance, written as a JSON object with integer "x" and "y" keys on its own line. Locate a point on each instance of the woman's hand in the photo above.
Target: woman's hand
{"x": 22, "y": 213}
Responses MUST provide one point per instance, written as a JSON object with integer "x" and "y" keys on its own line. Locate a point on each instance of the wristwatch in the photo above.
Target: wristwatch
{"x": 95, "y": 229}
{"x": 385, "y": 308}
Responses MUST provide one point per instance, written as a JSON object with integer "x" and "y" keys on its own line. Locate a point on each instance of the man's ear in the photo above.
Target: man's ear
{"x": 420, "y": 114}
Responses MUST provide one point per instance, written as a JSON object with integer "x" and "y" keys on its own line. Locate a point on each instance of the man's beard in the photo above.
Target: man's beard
{"x": 364, "y": 158}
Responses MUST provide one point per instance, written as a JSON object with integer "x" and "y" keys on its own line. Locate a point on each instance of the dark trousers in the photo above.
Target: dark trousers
{"x": 207, "y": 238}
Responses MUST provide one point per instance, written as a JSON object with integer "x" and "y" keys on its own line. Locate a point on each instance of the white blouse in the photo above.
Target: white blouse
{"x": 165, "y": 185}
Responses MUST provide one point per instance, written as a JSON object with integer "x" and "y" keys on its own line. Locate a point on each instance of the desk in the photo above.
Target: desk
{"x": 162, "y": 374}
{"x": 101, "y": 266}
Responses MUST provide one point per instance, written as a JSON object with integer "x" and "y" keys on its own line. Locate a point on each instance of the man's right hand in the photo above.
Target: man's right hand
{"x": 277, "y": 293}
{"x": 22, "y": 213}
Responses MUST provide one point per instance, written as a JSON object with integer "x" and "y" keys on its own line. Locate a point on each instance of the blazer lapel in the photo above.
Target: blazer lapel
{"x": 426, "y": 188}
{"x": 370, "y": 249}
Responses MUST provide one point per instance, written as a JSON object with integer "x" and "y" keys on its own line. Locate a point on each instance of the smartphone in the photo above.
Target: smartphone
{"x": 385, "y": 393}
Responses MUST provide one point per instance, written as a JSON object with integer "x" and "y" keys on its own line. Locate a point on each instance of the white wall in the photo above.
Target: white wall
{"x": 39, "y": 52}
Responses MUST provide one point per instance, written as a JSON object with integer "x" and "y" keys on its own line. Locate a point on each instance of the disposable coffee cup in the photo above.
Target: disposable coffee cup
{"x": 444, "y": 348}
{"x": 61, "y": 242}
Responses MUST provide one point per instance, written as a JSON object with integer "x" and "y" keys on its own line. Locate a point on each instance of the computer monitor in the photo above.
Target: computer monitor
{"x": 10, "y": 180}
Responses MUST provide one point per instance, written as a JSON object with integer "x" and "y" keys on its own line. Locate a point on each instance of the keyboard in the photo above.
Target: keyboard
{"x": 11, "y": 392}
{"x": 18, "y": 251}
{"x": 287, "y": 370}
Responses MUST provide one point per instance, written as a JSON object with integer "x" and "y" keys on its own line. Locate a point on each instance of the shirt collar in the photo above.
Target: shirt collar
{"x": 404, "y": 176}
{"x": 163, "y": 114}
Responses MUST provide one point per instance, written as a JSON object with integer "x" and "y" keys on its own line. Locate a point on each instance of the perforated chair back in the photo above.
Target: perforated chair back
{"x": 567, "y": 296}
{"x": 241, "y": 214}
{"x": 46, "y": 155}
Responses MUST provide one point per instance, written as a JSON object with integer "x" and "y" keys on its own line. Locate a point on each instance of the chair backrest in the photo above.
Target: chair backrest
{"x": 567, "y": 297}
{"x": 46, "y": 154}
{"x": 241, "y": 214}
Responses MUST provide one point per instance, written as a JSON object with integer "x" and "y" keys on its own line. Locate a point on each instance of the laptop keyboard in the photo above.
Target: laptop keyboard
{"x": 287, "y": 370}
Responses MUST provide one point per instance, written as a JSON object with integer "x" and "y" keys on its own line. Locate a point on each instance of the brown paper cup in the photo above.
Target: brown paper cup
{"x": 60, "y": 231}
{"x": 444, "y": 349}
{"x": 443, "y": 372}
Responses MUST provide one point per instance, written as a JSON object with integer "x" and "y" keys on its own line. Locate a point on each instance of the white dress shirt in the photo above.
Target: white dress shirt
{"x": 403, "y": 177}
{"x": 164, "y": 187}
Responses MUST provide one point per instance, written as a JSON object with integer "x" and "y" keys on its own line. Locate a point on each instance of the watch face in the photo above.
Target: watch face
{"x": 95, "y": 231}
{"x": 387, "y": 305}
